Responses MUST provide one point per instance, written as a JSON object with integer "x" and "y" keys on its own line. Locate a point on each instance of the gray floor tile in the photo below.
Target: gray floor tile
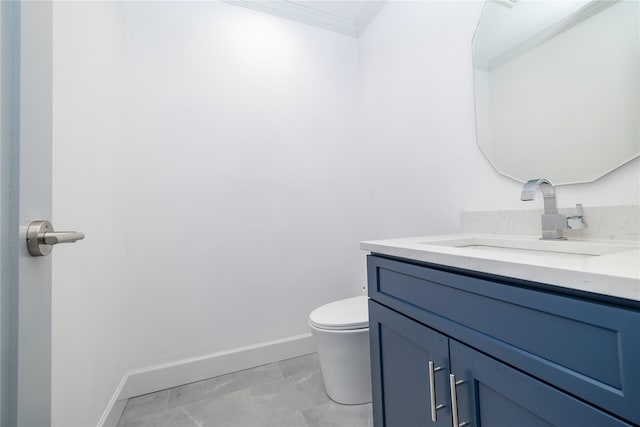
{"x": 280, "y": 403}
{"x": 208, "y": 389}
{"x": 281, "y": 418}
{"x": 227, "y": 410}
{"x": 312, "y": 385}
{"x": 177, "y": 418}
{"x": 257, "y": 376}
{"x": 201, "y": 390}
{"x": 295, "y": 393}
{"x": 307, "y": 363}
{"x": 289, "y": 393}
{"x": 147, "y": 404}
{"x": 331, "y": 414}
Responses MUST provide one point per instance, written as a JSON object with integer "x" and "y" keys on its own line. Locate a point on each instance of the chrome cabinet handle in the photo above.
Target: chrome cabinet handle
{"x": 41, "y": 238}
{"x": 432, "y": 389}
{"x": 454, "y": 401}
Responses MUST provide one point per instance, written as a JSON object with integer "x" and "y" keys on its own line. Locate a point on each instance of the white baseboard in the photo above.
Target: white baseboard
{"x": 160, "y": 377}
{"x": 116, "y": 405}
{"x": 167, "y": 375}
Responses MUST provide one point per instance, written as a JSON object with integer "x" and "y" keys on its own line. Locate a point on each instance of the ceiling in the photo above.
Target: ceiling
{"x": 349, "y": 17}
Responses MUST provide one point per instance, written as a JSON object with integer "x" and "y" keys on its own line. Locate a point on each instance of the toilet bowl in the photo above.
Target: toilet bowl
{"x": 341, "y": 332}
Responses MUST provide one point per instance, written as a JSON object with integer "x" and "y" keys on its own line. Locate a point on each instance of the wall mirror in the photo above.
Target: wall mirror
{"x": 557, "y": 87}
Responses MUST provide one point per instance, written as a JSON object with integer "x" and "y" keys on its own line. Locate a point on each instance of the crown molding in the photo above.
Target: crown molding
{"x": 552, "y": 31}
{"x": 368, "y": 14}
{"x": 307, "y": 15}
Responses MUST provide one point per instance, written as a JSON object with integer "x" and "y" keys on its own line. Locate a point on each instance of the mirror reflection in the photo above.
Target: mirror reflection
{"x": 557, "y": 87}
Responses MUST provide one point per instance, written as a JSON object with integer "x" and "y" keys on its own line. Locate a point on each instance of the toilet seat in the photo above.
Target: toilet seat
{"x": 346, "y": 314}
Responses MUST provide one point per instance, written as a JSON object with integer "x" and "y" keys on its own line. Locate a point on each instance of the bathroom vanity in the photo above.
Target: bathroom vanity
{"x": 471, "y": 330}
{"x": 490, "y": 330}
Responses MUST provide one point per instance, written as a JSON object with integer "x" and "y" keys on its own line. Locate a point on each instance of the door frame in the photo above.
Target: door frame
{"x": 25, "y": 298}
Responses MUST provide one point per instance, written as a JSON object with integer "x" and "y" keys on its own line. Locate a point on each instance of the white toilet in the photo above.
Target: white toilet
{"x": 341, "y": 332}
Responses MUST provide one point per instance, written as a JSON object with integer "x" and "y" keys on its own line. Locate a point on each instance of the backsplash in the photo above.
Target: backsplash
{"x": 603, "y": 222}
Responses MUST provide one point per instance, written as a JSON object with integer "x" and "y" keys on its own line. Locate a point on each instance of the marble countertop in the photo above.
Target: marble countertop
{"x": 614, "y": 274}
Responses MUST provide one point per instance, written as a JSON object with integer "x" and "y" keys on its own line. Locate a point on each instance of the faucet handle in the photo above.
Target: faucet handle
{"x": 576, "y": 222}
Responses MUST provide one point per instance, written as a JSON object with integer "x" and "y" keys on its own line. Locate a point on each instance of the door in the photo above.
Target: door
{"x": 410, "y": 370}
{"x": 25, "y": 178}
{"x": 490, "y": 393}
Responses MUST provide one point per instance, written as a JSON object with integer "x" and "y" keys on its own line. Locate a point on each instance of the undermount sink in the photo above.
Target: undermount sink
{"x": 557, "y": 248}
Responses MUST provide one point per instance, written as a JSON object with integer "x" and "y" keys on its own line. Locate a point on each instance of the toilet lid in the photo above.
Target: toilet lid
{"x": 350, "y": 313}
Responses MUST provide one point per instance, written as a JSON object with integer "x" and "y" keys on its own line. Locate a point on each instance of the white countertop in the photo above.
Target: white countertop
{"x": 614, "y": 274}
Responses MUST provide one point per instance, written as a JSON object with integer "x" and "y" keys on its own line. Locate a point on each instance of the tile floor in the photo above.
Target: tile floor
{"x": 285, "y": 393}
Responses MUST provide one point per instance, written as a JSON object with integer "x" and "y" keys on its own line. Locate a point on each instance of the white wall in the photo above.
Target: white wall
{"x": 245, "y": 204}
{"x": 90, "y": 288}
{"x": 419, "y": 127}
{"x": 210, "y": 154}
{"x": 418, "y": 116}
{"x": 225, "y": 164}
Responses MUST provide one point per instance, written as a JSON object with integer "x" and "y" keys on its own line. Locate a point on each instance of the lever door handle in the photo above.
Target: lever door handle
{"x": 54, "y": 237}
{"x": 41, "y": 238}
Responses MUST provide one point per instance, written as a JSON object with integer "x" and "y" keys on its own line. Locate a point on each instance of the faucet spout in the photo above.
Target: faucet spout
{"x": 553, "y": 224}
{"x": 548, "y": 193}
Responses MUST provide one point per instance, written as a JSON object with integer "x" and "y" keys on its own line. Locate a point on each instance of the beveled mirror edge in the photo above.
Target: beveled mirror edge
{"x": 497, "y": 169}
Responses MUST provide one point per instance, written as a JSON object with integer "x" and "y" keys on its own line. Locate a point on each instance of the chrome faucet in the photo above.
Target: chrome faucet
{"x": 553, "y": 224}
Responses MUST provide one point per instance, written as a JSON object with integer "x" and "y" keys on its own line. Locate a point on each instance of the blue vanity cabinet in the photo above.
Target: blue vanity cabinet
{"x": 526, "y": 354}
{"x": 487, "y": 391}
{"x": 412, "y": 362}
{"x": 491, "y": 393}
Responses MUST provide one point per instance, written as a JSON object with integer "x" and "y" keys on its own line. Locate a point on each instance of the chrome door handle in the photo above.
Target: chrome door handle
{"x": 454, "y": 401}
{"x": 41, "y": 237}
{"x": 55, "y": 237}
{"x": 432, "y": 390}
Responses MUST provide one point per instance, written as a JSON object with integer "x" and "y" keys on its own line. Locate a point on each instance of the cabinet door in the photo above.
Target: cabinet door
{"x": 401, "y": 350}
{"x": 490, "y": 393}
